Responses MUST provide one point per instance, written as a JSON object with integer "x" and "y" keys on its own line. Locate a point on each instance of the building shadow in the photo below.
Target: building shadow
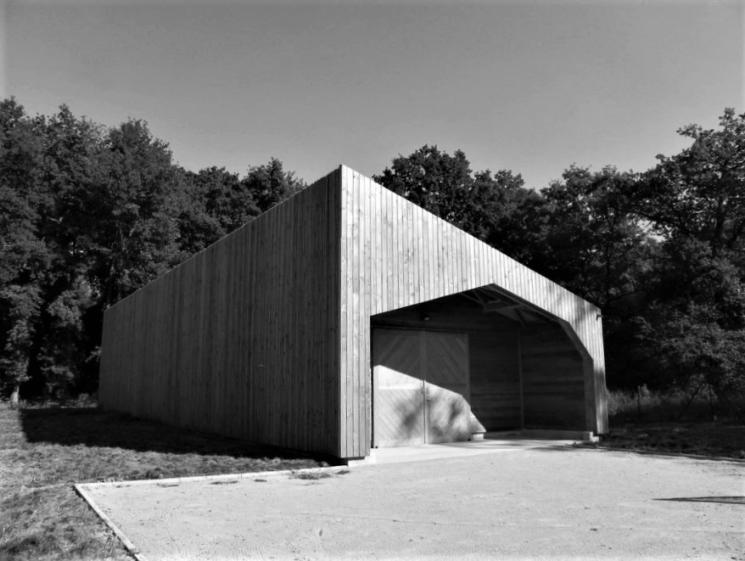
{"x": 730, "y": 500}
{"x": 94, "y": 427}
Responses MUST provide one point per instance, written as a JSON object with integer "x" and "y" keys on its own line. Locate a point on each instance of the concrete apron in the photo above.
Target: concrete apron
{"x": 493, "y": 443}
{"x": 545, "y": 502}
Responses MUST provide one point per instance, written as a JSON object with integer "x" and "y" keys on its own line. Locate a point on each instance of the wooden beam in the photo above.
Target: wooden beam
{"x": 520, "y": 317}
{"x": 470, "y": 296}
{"x": 500, "y": 307}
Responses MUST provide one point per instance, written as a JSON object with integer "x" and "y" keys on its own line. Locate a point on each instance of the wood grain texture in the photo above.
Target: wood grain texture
{"x": 422, "y": 387}
{"x": 241, "y": 339}
{"x": 553, "y": 379}
{"x": 418, "y": 257}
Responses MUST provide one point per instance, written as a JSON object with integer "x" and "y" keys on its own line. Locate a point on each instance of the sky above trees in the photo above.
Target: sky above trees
{"x": 532, "y": 87}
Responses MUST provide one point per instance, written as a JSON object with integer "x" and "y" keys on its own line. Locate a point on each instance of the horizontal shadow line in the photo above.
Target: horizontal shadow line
{"x": 733, "y": 500}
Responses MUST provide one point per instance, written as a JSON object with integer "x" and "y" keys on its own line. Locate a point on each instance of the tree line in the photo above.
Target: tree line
{"x": 88, "y": 214}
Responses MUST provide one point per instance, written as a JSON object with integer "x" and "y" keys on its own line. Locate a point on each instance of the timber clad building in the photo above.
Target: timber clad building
{"x": 348, "y": 318}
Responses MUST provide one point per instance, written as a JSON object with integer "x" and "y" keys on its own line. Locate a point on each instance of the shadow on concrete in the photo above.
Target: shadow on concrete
{"x": 655, "y": 453}
{"x": 732, "y": 500}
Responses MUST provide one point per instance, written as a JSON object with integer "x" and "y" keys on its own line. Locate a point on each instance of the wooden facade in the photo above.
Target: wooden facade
{"x": 395, "y": 254}
{"x": 266, "y": 335}
{"x": 241, "y": 339}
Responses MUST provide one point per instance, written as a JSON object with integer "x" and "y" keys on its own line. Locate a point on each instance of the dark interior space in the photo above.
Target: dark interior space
{"x": 523, "y": 370}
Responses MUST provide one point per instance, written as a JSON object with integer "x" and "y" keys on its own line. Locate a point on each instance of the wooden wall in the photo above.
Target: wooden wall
{"x": 495, "y": 378}
{"x": 553, "y": 378}
{"x": 243, "y": 338}
{"x": 394, "y": 254}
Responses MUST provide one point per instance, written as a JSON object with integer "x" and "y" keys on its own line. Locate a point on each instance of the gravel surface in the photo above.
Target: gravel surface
{"x": 552, "y": 503}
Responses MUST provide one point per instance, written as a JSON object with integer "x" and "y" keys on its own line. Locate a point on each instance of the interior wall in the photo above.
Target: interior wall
{"x": 493, "y": 352}
{"x": 553, "y": 377}
{"x": 495, "y": 378}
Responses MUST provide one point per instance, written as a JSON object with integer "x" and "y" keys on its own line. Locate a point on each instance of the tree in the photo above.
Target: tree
{"x": 89, "y": 215}
{"x": 700, "y": 192}
{"x": 695, "y": 201}
{"x": 508, "y": 216}
{"x": 269, "y": 184}
{"x": 24, "y": 255}
{"x": 436, "y": 181}
{"x": 64, "y": 354}
{"x": 216, "y": 201}
{"x": 132, "y": 213}
{"x": 597, "y": 245}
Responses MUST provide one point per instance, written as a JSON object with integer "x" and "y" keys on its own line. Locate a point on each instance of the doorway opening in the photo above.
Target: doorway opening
{"x": 454, "y": 368}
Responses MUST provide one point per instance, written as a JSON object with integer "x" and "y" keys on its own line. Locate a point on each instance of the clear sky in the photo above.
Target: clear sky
{"x": 529, "y": 86}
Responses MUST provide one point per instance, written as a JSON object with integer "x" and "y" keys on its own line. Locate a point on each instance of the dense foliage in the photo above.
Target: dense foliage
{"x": 89, "y": 214}
{"x": 661, "y": 252}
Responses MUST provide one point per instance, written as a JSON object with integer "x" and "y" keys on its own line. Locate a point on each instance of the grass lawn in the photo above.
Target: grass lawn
{"x": 670, "y": 423}
{"x": 43, "y": 451}
{"x": 715, "y": 439}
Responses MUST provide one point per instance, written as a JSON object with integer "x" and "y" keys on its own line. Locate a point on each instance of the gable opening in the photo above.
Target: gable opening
{"x": 459, "y": 367}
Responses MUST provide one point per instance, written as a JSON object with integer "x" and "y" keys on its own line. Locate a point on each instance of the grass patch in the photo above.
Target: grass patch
{"x": 654, "y": 406}
{"x": 310, "y": 475}
{"x": 44, "y": 450}
{"x": 713, "y": 439}
{"x": 671, "y": 423}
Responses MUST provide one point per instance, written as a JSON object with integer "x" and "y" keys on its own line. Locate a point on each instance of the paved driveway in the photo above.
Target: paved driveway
{"x": 545, "y": 503}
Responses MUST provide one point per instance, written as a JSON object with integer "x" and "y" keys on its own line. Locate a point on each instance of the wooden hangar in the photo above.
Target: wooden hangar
{"x": 347, "y": 318}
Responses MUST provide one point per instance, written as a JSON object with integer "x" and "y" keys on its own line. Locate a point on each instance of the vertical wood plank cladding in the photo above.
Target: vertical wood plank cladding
{"x": 266, "y": 334}
{"x": 241, "y": 339}
{"x": 346, "y": 311}
{"x": 332, "y": 414}
{"x": 449, "y": 262}
{"x": 554, "y": 379}
{"x": 358, "y": 287}
{"x": 364, "y": 391}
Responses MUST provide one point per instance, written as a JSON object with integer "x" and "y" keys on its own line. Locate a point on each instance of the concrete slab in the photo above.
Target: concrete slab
{"x": 427, "y": 452}
{"x": 540, "y": 503}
